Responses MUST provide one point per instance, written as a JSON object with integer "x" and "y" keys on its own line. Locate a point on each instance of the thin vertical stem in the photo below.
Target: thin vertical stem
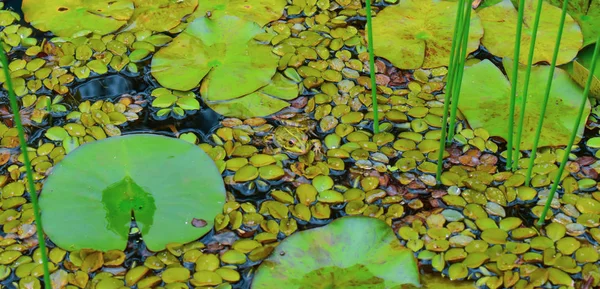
{"x": 525, "y": 92}
{"x": 460, "y": 66}
{"x": 513, "y": 87}
{"x": 457, "y": 28}
{"x": 538, "y": 130}
{"x": 29, "y": 172}
{"x": 372, "y": 68}
{"x": 584, "y": 98}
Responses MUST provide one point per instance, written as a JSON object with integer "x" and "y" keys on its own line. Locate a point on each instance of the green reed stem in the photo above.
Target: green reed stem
{"x": 525, "y": 92}
{"x": 29, "y": 172}
{"x": 586, "y": 92}
{"x": 460, "y": 68}
{"x": 372, "y": 68}
{"x": 513, "y": 87}
{"x": 538, "y": 130}
{"x": 453, "y": 55}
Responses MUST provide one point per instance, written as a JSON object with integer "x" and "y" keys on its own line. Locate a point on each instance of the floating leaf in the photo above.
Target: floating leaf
{"x": 487, "y": 105}
{"x": 587, "y": 14}
{"x": 259, "y": 11}
{"x": 350, "y": 252}
{"x": 417, "y": 34}
{"x": 580, "y": 70}
{"x": 222, "y": 49}
{"x": 86, "y": 205}
{"x": 160, "y": 15}
{"x": 67, "y": 17}
{"x": 501, "y": 20}
{"x": 268, "y": 100}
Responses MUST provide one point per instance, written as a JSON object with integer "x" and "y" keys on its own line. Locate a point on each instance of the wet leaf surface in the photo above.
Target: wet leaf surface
{"x": 163, "y": 197}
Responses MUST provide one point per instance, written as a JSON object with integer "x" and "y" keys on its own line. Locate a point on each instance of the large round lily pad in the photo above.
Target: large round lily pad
{"x": 418, "y": 33}
{"x": 67, "y": 17}
{"x": 166, "y": 184}
{"x": 349, "y": 253}
{"x": 160, "y": 15}
{"x": 485, "y": 98}
{"x": 259, "y": 11}
{"x": 223, "y": 50}
{"x": 500, "y": 21}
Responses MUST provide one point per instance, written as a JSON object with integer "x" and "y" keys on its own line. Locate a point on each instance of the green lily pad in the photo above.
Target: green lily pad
{"x": 67, "y": 17}
{"x": 416, "y": 34}
{"x": 91, "y": 195}
{"x": 259, "y": 11}
{"x": 160, "y": 15}
{"x": 223, "y": 51}
{"x": 350, "y": 252}
{"x": 501, "y": 21}
{"x": 580, "y": 70}
{"x": 487, "y": 105}
{"x": 266, "y": 101}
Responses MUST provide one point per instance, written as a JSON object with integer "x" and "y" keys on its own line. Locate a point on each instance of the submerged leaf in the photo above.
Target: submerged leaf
{"x": 91, "y": 195}
{"x": 223, "y": 51}
{"x": 416, "y": 34}
{"x": 67, "y": 17}
{"x": 487, "y": 105}
{"x": 160, "y": 15}
{"x": 350, "y": 252}
{"x": 501, "y": 20}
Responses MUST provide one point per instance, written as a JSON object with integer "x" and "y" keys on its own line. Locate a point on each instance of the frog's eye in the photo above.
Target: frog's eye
{"x": 291, "y": 142}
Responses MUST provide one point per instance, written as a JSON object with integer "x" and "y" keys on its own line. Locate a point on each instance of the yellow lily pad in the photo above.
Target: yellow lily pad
{"x": 416, "y": 34}
{"x": 501, "y": 21}
{"x": 487, "y": 105}
{"x": 160, "y": 15}
{"x": 67, "y": 17}
{"x": 259, "y": 11}
{"x": 587, "y": 14}
{"x": 580, "y": 70}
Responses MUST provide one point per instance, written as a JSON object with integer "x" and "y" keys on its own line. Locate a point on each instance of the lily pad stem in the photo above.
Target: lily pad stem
{"x": 29, "y": 172}
{"x": 538, "y": 130}
{"x": 513, "y": 87}
{"x": 460, "y": 68}
{"x": 453, "y": 55}
{"x": 586, "y": 92}
{"x": 372, "y": 68}
{"x": 524, "y": 94}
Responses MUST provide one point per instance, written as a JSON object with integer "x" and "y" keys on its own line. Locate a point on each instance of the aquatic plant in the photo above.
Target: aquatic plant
{"x": 33, "y": 195}
{"x": 159, "y": 15}
{"x": 65, "y": 18}
{"x": 89, "y": 198}
{"x": 502, "y": 19}
{"x": 587, "y": 14}
{"x": 258, "y": 11}
{"x": 487, "y": 106}
{"x": 580, "y": 70}
{"x": 415, "y": 34}
{"x": 350, "y": 252}
{"x": 219, "y": 52}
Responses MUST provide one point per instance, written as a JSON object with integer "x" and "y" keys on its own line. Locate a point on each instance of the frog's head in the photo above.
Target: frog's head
{"x": 293, "y": 140}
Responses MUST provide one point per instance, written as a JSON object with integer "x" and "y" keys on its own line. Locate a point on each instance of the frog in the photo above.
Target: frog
{"x": 292, "y": 136}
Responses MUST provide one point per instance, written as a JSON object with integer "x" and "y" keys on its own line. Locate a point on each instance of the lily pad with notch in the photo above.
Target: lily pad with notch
{"x": 167, "y": 185}
{"x": 220, "y": 52}
{"x": 259, "y": 11}
{"x": 500, "y": 21}
{"x": 485, "y": 97}
{"x": 67, "y": 17}
{"x": 350, "y": 252}
{"x": 416, "y": 34}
